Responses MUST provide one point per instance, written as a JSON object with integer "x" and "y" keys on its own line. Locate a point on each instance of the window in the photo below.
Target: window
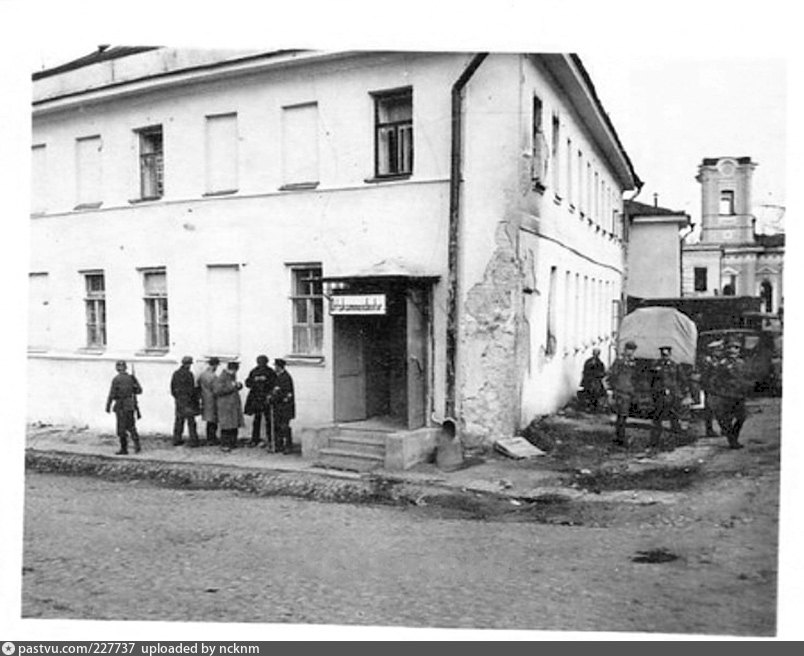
{"x": 223, "y": 309}
{"x": 38, "y": 311}
{"x": 221, "y": 154}
{"x": 300, "y": 144}
{"x": 38, "y": 178}
{"x": 88, "y": 171}
{"x": 726, "y": 202}
{"x": 552, "y": 314}
{"x": 539, "y": 164}
{"x": 579, "y": 184}
{"x": 95, "y": 305}
{"x": 151, "y": 163}
{"x": 393, "y": 116}
{"x": 156, "y": 310}
{"x": 700, "y": 279}
{"x": 556, "y": 137}
{"x": 307, "y": 297}
{"x": 570, "y": 187}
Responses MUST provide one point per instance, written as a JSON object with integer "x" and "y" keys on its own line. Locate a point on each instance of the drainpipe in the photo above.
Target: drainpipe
{"x": 454, "y": 225}
{"x": 681, "y": 258}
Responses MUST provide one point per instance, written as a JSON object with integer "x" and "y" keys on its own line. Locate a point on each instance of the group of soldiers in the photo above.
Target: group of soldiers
{"x": 722, "y": 375}
{"x": 216, "y": 398}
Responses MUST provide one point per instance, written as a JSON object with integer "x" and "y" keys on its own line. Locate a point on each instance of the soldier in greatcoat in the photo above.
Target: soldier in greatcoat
{"x": 668, "y": 387}
{"x": 621, "y": 381}
{"x": 185, "y": 395}
{"x": 283, "y": 400}
{"x": 260, "y": 381}
{"x": 123, "y": 396}
{"x": 713, "y": 355}
{"x": 731, "y": 384}
{"x": 230, "y": 410}
{"x": 209, "y": 411}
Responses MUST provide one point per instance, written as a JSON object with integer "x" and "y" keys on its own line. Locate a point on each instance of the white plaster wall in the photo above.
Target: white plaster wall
{"x": 345, "y": 223}
{"x": 654, "y": 260}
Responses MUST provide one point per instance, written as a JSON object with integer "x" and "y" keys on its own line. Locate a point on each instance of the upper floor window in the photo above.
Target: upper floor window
{"x": 39, "y": 199}
{"x": 151, "y": 163}
{"x": 700, "y": 279}
{"x": 221, "y": 154}
{"x": 307, "y": 297}
{"x": 156, "y": 309}
{"x": 726, "y": 202}
{"x": 393, "y": 120}
{"x": 556, "y": 155}
{"x": 540, "y": 157}
{"x": 88, "y": 171}
{"x": 95, "y": 306}
{"x": 300, "y": 144}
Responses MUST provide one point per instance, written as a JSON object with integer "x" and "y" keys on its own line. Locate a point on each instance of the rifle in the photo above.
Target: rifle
{"x": 137, "y": 412}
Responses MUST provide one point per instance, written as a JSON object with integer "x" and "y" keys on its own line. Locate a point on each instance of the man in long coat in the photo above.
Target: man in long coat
{"x": 229, "y": 409}
{"x": 123, "y": 395}
{"x": 621, "y": 380}
{"x": 209, "y": 411}
{"x": 284, "y": 406}
{"x": 594, "y": 371}
{"x": 185, "y": 394}
{"x": 261, "y": 381}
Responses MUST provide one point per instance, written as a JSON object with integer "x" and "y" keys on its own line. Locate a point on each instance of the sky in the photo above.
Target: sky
{"x": 680, "y": 81}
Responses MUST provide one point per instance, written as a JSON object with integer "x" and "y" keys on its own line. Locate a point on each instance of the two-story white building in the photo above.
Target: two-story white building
{"x": 419, "y": 235}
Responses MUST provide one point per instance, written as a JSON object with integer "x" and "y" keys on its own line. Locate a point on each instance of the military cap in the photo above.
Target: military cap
{"x": 280, "y": 362}
{"x": 233, "y": 364}
{"x": 631, "y": 345}
{"x": 665, "y": 348}
{"x": 734, "y": 342}
{"x": 214, "y": 361}
{"x": 187, "y": 359}
{"x": 120, "y": 363}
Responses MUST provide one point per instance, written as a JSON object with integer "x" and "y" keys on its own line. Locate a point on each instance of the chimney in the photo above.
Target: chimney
{"x": 655, "y": 199}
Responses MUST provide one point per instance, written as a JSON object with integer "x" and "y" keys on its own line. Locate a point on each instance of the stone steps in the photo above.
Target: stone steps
{"x": 349, "y": 458}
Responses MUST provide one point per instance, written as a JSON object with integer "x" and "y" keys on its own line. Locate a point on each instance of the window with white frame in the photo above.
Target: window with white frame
{"x": 393, "y": 125}
{"x": 157, "y": 335}
{"x": 300, "y": 144}
{"x": 39, "y": 187}
{"x": 221, "y": 154}
{"x": 307, "y": 299}
{"x": 152, "y": 183}
{"x": 95, "y": 309}
{"x": 88, "y": 171}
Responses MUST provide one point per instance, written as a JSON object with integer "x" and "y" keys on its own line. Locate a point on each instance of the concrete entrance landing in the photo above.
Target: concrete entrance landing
{"x": 374, "y": 443}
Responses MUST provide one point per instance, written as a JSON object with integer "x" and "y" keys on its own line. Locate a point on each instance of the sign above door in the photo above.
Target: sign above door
{"x": 357, "y": 304}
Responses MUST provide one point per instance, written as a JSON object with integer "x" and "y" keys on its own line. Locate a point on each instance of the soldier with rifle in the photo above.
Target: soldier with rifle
{"x": 123, "y": 399}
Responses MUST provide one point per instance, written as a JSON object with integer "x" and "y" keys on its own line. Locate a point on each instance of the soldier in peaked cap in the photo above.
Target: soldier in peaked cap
{"x": 123, "y": 395}
{"x": 185, "y": 394}
{"x": 284, "y": 407}
{"x": 668, "y": 386}
{"x": 730, "y": 388}
{"x": 714, "y": 353}
{"x": 621, "y": 380}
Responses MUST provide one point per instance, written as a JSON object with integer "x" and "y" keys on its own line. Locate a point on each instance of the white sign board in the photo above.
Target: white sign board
{"x": 357, "y": 304}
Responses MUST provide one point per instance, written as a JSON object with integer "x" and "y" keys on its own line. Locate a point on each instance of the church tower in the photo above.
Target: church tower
{"x": 726, "y": 216}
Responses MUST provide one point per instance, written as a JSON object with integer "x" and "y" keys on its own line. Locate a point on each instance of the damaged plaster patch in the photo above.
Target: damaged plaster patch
{"x": 490, "y": 403}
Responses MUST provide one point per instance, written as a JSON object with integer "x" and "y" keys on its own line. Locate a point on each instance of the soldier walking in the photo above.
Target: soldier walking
{"x": 123, "y": 394}
{"x": 668, "y": 386}
{"x": 713, "y": 355}
{"x": 621, "y": 380}
{"x": 730, "y": 389}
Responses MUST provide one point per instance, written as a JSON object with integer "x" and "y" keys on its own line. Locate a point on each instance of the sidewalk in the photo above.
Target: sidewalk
{"x": 584, "y": 466}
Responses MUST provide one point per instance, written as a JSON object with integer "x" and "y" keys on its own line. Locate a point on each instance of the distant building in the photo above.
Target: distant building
{"x": 418, "y": 234}
{"x": 731, "y": 258}
{"x": 654, "y": 250}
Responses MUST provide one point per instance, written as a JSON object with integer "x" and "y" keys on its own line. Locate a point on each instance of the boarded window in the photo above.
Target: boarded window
{"x": 223, "y": 309}
{"x": 38, "y": 311}
{"x": 221, "y": 150}
{"x": 88, "y": 170}
{"x": 300, "y": 144}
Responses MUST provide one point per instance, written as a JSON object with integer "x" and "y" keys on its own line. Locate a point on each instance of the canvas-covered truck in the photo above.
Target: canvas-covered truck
{"x": 650, "y": 328}
{"x": 709, "y": 312}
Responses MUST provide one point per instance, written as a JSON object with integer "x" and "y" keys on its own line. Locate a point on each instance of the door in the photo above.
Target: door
{"x": 417, "y": 317}
{"x": 349, "y": 369}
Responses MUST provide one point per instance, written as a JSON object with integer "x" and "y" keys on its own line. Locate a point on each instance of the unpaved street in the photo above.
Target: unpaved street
{"x": 133, "y": 551}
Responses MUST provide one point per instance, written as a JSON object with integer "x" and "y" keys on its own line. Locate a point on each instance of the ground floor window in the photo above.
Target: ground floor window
{"x": 156, "y": 309}
{"x": 307, "y": 298}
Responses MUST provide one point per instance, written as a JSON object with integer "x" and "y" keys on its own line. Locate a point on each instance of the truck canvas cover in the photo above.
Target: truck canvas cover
{"x": 653, "y": 327}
